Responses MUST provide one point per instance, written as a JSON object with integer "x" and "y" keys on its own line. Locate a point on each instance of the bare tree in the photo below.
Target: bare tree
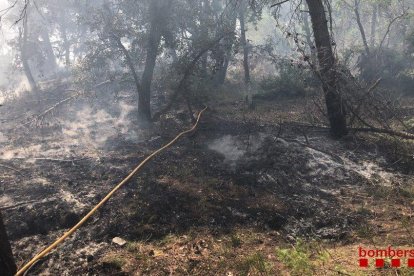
{"x": 335, "y": 108}
{"x": 23, "y": 32}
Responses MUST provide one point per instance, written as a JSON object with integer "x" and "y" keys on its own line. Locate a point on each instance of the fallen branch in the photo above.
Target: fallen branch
{"x": 50, "y": 109}
{"x": 35, "y": 202}
{"x": 11, "y": 168}
{"x": 17, "y": 205}
{"x": 401, "y": 134}
{"x": 278, "y": 4}
{"x": 60, "y": 160}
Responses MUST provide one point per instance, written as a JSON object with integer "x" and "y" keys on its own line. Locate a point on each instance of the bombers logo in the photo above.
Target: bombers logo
{"x": 378, "y": 256}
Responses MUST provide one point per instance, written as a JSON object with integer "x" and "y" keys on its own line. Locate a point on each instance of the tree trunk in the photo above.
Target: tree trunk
{"x": 249, "y": 96}
{"x": 361, "y": 27}
{"x": 224, "y": 51}
{"x": 222, "y": 73}
{"x": 373, "y": 26}
{"x": 66, "y": 43}
{"x": 204, "y": 35}
{"x": 204, "y": 62}
{"x": 130, "y": 64}
{"x": 308, "y": 37}
{"x": 24, "y": 56}
{"x": 7, "y": 265}
{"x": 170, "y": 45}
{"x": 336, "y": 112}
{"x": 244, "y": 45}
{"x": 48, "y": 49}
{"x": 156, "y": 10}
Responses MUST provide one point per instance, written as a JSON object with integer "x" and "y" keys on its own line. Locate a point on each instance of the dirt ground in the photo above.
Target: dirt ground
{"x": 250, "y": 193}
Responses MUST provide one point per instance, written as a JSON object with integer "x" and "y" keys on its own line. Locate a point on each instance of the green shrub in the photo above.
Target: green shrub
{"x": 392, "y": 66}
{"x": 292, "y": 81}
{"x": 301, "y": 258}
{"x": 255, "y": 263}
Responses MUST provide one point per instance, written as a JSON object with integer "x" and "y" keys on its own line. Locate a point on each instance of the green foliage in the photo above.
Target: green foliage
{"x": 235, "y": 240}
{"x": 116, "y": 261}
{"x": 292, "y": 81}
{"x": 302, "y": 258}
{"x": 365, "y": 231}
{"x": 255, "y": 263}
{"x": 392, "y": 66}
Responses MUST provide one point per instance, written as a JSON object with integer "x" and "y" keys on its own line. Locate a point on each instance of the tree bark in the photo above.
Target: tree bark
{"x": 249, "y": 96}
{"x": 130, "y": 64}
{"x": 224, "y": 54}
{"x": 7, "y": 265}
{"x": 157, "y": 20}
{"x": 335, "y": 108}
{"x": 244, "y": 44}
{"x": 220, "y": 75}
{"x": 361, "y": 27}
{"x": 48, "y": 50}
{"x": 66, "y": 43}
{"x": 24, "y": 56}
{"x": 308, "y": 37}
{"x": 204, "y": 35}
{"x": 170, "y": 44}
{"x": 373, "y": 25}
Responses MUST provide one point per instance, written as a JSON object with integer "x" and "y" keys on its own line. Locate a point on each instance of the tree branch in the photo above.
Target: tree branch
{"x": 278, "y": 4}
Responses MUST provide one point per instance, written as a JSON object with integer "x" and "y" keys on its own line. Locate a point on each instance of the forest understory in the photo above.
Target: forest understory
{"x": 243, "y": 195}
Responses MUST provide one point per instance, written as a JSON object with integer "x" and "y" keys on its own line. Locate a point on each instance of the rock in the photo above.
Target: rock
{"x": 119, "y": 241}
{"x": 89, "y": 258}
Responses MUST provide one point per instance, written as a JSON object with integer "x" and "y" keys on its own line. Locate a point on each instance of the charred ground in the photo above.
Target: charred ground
{"x": 225, "y": 199}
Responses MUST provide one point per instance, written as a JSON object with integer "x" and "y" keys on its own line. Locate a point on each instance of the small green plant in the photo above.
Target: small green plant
{"x": 116, "y": 261}
{"x": 303, "y": 257}
{"x": 364, "y": 211}
{"x": 407, "y": 192}
{"x": 235, "y": 240}
{"x": 132, "y": 247}
{"x": 255, "y": 263}
{"x": 365, "y": 231}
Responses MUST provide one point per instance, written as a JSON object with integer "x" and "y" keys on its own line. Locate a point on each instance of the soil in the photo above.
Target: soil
{"x": 222, "y": 201}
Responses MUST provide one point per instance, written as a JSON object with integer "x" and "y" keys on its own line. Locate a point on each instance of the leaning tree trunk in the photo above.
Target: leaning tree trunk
{"x": 373, "y": 25}
{"x": 335, "y": 108}
{"x": 66, "y": 43}
{"x": 157, "y": 21}
{"x": 225, "y": 49}
{"x": 242, "y": 12}
{"x": 361, "y": 27}
{"x": 204, "y": 35}
{"x": 66, "y": 46}
{"x": 24, "y": 56}
{"x": 129, "y": 63}
{"x": 48, "y": 49}
{"x": 308, "y": 37}
{"x": 7, "y": 265}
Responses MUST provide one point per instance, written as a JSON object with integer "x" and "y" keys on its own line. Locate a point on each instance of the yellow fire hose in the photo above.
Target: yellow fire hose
{"x": 105, "y": 199}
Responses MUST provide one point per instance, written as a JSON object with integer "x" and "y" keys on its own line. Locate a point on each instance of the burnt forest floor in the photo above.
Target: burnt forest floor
{"x": 250, "y": 193}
